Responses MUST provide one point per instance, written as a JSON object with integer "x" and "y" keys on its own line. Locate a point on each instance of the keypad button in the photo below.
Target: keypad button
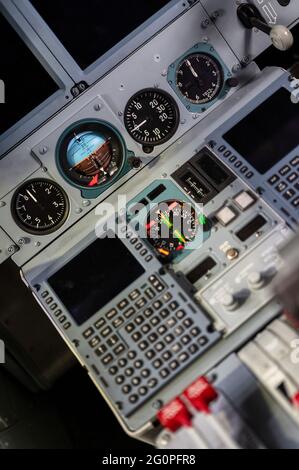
{"x": 135, "y": 294}
{"x": 148, "y": 312}
{"x": 107, "y": 359}
{"x": 148, "y": 258}
{"x": 118, "y": 322}
{"x": 232, "y": 159}
{"x": 141, "y": 303}
{"x": 112, "y": 341}
{"x": 111, "y": 314}
{"x": 62, "y": 319}
{"x": 88, "y": 333}
{"x": 101, "y": 350}
{"x": 138, "y": 364}
{"x": 136, "y": 381}
{"x": 120, "y": 379}
{"x": 143, "y": 252}
{"x": 273, "y": 180}
{"x": 128, "y": 313}
{"x": 45, "y": 294}
{"x": 293, "y": 177}
{"x": 167, "y": 297}
{"x": 113, "y": 370}
{"x": 58, "y": 313}
{"x": 143, "y": 345}
{"x": 122, "y": 362}
{"x": 184, "y": 357}
{"x": 188, "y": 322}
{"x": 174, "y": 365}
{"x": 106, "y": 332}
{"x": 171, "y": 322}
{"x": 134, "y": 241}
{"x": 94, "y": 342}
{"x": 169, "y": 339}
{"x": 123, "y": 304}
{"x": 132, "y": 355}
{"x": 130, "y": 328}
{"x": 162, "y": 330}
{"x": 145, "y": 373}
{"x": 157, "y": 305}
{"x": 53, "y": 307}
{"x": 150, "y": 293}
{"x": 155, "y": 321}
{"x": 244, "y": 169}
{"x": 193, "y": 349}
{"x": 159, "y": 346}
{"x": 181, "y": 314}
{"x": 67, "y": 326}
{"x": 295, "y": 203}
{"x": 137, "y": 336}
{"x": 119, "y": 349}
{"x": 203, "y": 340}
{"x": 249, "y": 175}
{"x": 173, "y": 306}
{"x": 179, "y": 330}
{"x": 176, "y": 348}
{"x": 133, "y": 399}
{"x": 285, "y": 170}
{"x": 295, "y": 161}
{"x": 166, "y": 356}
{"x": 152, "y": 383}
{"x": 281, "y": 187}
{"x": 100, "y": 323}
{"x": 139, "y": 320}
{"x": 152, "y": 338}
{"x": 129, "y": 372}
{"x": 138, "y": 246}
{"x": 289, "y": 194}
{"x": 150, "y": 354}
{"x": 146, "y": 329}
{"x": 49, "y": 300}
{"x": 157, "y": 364}
{"x": 186, "y": 339}
{"x": 164, "y": 373}
{"x": 238, "y": 164}
{"x": 227, "y": 154}
{"x": 164, "y": 313}
{"x": 195, "y": 331}
{"x": 126, "y": 389}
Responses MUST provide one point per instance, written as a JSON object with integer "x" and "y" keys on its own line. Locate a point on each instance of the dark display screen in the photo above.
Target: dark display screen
{"x": 89, "y": 29}
{"x": 27, "y": 83}
{"x": 95, "y": 277}
{"x": 269, "y": 133}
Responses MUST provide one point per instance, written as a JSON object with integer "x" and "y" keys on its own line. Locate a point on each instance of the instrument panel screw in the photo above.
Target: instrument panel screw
{"x": 78, "y": 210}
{"x": 86, "y": 203}
{"x": 43, "y": 150}
{"x": 22, "y": 241}
{"x": 183, "y": 121}
{"x": 205, "y": 24}
{"x": 97, "y": 107}
{"x": 44, "y": 169}
{"x": 11, "y": 249}
{"x": 37, "y": 244}
{"x": 205, "y": 39}
{"x": 157, "y": 405}
{"x": 120, "y": 113}
{"x": 2, "y": 204}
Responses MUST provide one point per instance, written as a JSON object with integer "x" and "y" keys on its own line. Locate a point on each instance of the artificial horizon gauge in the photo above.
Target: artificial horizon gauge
{"x": 40, "y": 207}
{"x": 90, "y": 154}
{"x": 151, "y": 117}
{"x": 199, "y": 78}
{"x": 171, "y": 225}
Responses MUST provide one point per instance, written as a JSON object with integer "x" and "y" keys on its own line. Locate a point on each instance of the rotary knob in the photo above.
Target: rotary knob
{"x": 229, "y": 302}
{"x": 256, "y": 280}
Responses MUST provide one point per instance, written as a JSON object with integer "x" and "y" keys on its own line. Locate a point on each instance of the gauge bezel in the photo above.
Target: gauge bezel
{"x": 39, "y": 232}
{"x": 206, "y": 49}
{"x": 61, "y": 156}
{"x": 176, "y": 114}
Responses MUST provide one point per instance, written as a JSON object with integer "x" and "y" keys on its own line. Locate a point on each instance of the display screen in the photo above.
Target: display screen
{"x": 26, "y": 86}
{"x": 95, "y": 277}
{"x": 88, "y": 30}
{"x": 269, "y": 133}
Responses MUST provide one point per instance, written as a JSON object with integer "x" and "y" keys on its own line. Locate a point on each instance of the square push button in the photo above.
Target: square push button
{"x": 226, "y": 215}
{"x": 244, "y": 201}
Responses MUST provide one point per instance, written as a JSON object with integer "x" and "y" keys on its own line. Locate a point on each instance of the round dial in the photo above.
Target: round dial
{"x": 151, "y": 117}
{"x": 91, "y": 154}
{"x": 40, "y": 207}
{"x": 171, "y": 226}
{"x": 200, "y": 78}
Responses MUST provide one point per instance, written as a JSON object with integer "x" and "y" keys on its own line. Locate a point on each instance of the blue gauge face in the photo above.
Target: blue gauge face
{"x": 91, "y": 154}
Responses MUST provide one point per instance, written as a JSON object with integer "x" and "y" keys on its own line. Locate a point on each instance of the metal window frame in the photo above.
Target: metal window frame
{"x": 51, "y": 105}
{"x": 111, "y": 58}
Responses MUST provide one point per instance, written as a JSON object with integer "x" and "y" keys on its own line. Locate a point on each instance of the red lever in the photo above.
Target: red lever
{"x": 296, "y": 400}
{"x": 200, "y": 394}
{"x": 174, "y": 415}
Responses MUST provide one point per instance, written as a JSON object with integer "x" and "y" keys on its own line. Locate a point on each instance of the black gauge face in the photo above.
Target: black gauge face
{"x": 40, "y": 207}
{"x": 200, "y": 78}
{"x": 91, "y": 154}
{"x": 171, "y": 226}
{"x": 151, "y": 117}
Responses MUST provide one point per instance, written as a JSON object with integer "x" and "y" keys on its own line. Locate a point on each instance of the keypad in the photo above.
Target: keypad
{"x": 285, "y": 182}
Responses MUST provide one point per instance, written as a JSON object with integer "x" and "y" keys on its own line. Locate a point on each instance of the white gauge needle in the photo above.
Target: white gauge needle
{"x": 140, "y": 125}
{"x": 32, "y": 197}
{"x": 192, "y": 69}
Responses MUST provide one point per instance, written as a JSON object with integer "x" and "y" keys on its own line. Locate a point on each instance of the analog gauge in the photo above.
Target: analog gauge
{"x": 200, "y": 78}
{"x": 171, "y": 226}
{"x": 91, "y": 154}
{"x": 151, "y": 117}
{"x": 40, "y": 207}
